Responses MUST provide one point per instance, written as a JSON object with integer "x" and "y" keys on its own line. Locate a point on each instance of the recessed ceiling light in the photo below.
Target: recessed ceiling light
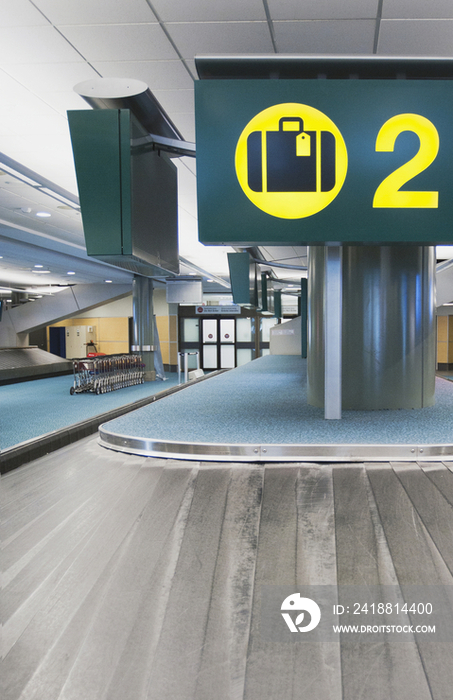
{"x": 71, "y": 272}
{"x": 108, "y": 281}
{"x": 41, "y": 272}
{"x": 43, "y": 214}
{"x": 39, "y": 265}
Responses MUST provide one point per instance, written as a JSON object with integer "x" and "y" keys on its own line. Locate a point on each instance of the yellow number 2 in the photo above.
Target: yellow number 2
{"x": 388, "y": 193}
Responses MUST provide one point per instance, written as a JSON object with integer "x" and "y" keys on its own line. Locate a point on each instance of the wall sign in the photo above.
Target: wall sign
{"x": 215, "y": 310}
{"x": 314, "y": 161}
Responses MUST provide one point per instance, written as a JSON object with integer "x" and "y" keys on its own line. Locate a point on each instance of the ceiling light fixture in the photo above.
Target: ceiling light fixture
{"x": 41, "y": 272}
{"x": 108, "y": 281}
{"x": 39, "y": 265}
{"x": 43, "y": 214}
{"x": 71, "y": 272}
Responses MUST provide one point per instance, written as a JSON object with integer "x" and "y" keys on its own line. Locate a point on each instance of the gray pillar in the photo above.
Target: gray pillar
{"x": 388, "y": 330}
{"x": 332, "y": 333}
{"x": 143, "y": 322}
{"x": 304, "y": 314}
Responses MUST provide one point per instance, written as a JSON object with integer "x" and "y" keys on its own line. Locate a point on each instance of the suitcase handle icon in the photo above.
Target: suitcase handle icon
{"x": 293, "y": 157}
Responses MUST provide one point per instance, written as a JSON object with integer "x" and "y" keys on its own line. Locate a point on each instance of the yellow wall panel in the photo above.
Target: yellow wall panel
{"x": 162, "y": 327}
{"x": 113, "y": 329}
{"x": 165, "y": 350}
{"x": 113, "y": 348}
{"x": 442, "y": 352}
{"x": 442, "y": 327}
{"x": 173, "y": 354}
{"x": 173, "y": 322}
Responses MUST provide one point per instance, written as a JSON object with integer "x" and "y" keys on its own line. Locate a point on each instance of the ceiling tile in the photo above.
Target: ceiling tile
{"x": 416, "y": 37}
{"x": 61, "y": 102}
{"x": 208, "y": 11}
{"x": 34, "y": 45}
{"x": 329, "y": 36}
{"x": 156, "y": 74}
{"x": 20, "y": 13}
{"x": 50, "y": 77}
{"x": 220, "y": 37}
{"x": 11, "y": 142}
{"x": 185, "y": 123}
{"x": 417, "y": 9}
{"x": 120, "y": 42}
{"x": 174, "y": 101}
{"x": 95, "y": 11}
{"x": 323, "y": 9}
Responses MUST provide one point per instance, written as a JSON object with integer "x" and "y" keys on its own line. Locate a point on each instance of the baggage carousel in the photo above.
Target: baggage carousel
{"x": 259, "y": 413}
{"x": 132, "y": 578}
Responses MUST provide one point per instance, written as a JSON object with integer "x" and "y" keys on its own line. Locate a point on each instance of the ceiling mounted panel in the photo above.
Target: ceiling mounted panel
{"x": 120, "y": 42}
{"x": 95, "y": 12}
{"x": 208, "y": 11}
{"x": 221, "y": 37}
{"x": 416, "y": 37}
{"x": 323, "y": 9}
{"x": 156, "y": 74}
{"x": 417, "y": 9}
{"x": 329, "y": 36}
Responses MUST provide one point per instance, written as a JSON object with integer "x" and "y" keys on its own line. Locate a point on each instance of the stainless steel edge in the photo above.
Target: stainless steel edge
{"x": 151, "y": 447}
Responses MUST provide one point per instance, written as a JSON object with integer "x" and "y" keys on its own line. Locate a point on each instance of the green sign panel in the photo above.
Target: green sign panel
{"x": 318, "y": 161}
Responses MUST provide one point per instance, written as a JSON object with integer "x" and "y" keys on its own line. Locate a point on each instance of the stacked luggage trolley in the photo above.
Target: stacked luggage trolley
{"x": 104, "y": 373}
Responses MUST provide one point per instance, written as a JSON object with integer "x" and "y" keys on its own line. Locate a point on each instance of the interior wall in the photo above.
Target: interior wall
{"x": 445, "y": 342}
{"x": 111, "y": 324}
{"x": 167, "y": 327}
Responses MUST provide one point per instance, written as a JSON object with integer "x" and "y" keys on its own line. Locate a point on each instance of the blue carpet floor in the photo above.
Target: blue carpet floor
{"x": 31, "y": 409}
{"x": 265, "y": 401}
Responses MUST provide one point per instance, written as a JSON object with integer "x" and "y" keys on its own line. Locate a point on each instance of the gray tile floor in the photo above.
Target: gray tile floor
{"x": 132, "y": 578}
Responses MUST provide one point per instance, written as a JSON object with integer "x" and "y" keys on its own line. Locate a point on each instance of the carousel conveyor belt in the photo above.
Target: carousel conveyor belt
{"x": 159, "y": 579}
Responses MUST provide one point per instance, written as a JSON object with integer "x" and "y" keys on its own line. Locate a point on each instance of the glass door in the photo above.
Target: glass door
{"x": 227, "y": 343}
{"x": 209, "y": 335}
{"x": 218, "y": 343}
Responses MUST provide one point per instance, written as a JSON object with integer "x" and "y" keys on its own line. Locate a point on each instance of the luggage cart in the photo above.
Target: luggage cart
{"x": 105, "y": 373}
{"x": 84, "y": 371}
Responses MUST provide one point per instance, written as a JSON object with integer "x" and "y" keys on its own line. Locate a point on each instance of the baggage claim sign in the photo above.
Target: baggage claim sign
{"x": 316, "y": 161}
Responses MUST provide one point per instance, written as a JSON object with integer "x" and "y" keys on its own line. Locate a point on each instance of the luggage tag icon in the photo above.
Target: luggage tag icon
{"x": 291, "y": 159}
{"x": 303, "y": 144}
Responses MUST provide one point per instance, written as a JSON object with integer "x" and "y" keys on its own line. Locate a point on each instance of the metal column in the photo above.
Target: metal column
{"x": 142, "y": 309}
{"x": 332, "y": 332}
{"x": 388, "y": 332}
